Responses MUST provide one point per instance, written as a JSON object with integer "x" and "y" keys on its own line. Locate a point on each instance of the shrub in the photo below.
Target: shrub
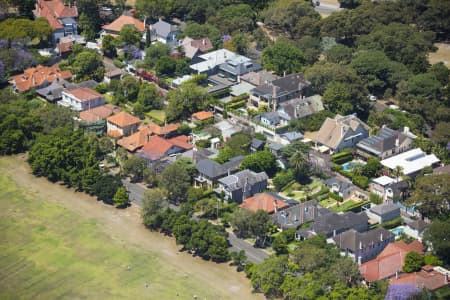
{"x": 335, "y": 196}
{"x": 203, "y": 144}
{"x": 118, "y": 63}
{"x": 361, "y": 181}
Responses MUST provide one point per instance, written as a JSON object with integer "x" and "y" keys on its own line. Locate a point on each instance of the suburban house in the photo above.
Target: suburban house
{"x": 341, "y": 132}
{"x": 363, "y": 246}
{"x": 429, "y": 277}
{"x": 280, "y": 90}
{"x": 116, "y": 26}
{"x": 210, "y": 171}
{"x": 227, "y": 129}
{"x": 158, "y": 147}
{"x": 210, "y": 62}
{"x": 415, "y": 229}
{"x": 268, "y": 202}
{"x": 340, "y": 188}
{"x": 385, "y": 143}
{"x": 81, "y": 99}
{"x": 38, "y": 77}
{"x": 299, "y": 108}
{"x": 61, "y": 15}
{"x": 113, "y": 74}
{"x": 384, "y": 212}
{"x": 411, "y": 162}
{"x": 289, "y": 137}
{"x": 259, "y": 78}
{"x": 257, "y": 145}
{"x": 274, "y": 119}
{"x": 99, "y": 113}
{"x": 241, "y": 185}
{"x": 299, "y": 214}
{"x": 53, "y": 92}
{"x": 237, "y": 66}
{"x": 389, "y": 262}
{"x": 193, "y": 48}
{"x": 138, "y": 139}
{"x": 165, "y": 32}
{"x": 122, "y": 124}
{"x": 202, "y": 116}
{"x": 388, "y": 188}
{"x": 332, "y": 224}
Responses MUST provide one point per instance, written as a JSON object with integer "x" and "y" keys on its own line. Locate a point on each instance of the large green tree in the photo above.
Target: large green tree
{"x": 260, "y": 161}
{"x": 88, "y": 64}
{"x": 283, "y": 57}
{"x": 176, "y": 180}
{"x": 437, "y": 235}
{"x": 431, "y": 196}
{"x": 237, "y": 17}
{"x": 185, "y": 100}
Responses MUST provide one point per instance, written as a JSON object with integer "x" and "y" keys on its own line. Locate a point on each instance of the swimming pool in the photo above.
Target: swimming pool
{"x": 397, "y": 231}
{"x": 348, "y": 166}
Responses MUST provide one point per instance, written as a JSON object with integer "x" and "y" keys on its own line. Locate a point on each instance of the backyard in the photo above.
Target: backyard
{"x": 60, "y": 244}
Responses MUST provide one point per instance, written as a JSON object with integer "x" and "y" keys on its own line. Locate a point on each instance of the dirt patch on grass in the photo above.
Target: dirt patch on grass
{"x": 119, "y": 229}
{"x": 441, "y": 55}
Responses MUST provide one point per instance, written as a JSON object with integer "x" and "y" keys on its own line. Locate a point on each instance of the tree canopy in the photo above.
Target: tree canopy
{"x": 283, "y": 57}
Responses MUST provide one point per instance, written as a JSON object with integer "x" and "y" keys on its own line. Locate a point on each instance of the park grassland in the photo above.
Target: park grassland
{"x": 50, "y": 252}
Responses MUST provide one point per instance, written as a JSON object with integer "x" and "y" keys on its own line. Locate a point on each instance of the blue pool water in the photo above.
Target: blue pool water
{"x": 397, "y": 231}
{"x": 348, "y": 166}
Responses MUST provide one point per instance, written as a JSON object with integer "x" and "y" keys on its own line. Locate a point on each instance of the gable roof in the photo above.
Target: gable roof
{"x": 84, "y": 94}
{"x": 385, "y": 208}
{"x": 163, "y": 28}
{"x": 334, "y": 130}
{"x": 157, "y": 147}
{"x": 283, "y": 86}
{"x": 202, "y": 115}
{"x": 161, "y": 130}
{"x": 192, "y": 47}
{"x": 240, "y": 179}
{"x": 427, "y": 278}
{"x": 389, "y": 261}
{"x": 329, "y": 223}
{"x": 123, "y": 119}
{"x": 296, "y": 215}
{"x": 418, "y": 225}
{"x": 123, "y": 20}
{"x": 213, "y": 169}
{"x": 353, "y": 240}
{"x": 387, "y": 139}
{"x": 259, "y": 78}
{"x": 99, "y": 113}
{"x": 302, "y": 107}
{"x": 52, "y": 10}
{"x": 37, "y": 76}
{"x": 263, "y": 201}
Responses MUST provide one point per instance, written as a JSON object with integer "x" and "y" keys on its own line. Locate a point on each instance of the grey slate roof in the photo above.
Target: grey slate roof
{"x": 54, "y": 90}
{"x": 382, "y": 142}
{"x": 239, "y": 65}
{"x": 326, "y": 224}
{"x": 213, "y": 169}
{"x": 292, "y": 136}
{"x": 302, "y": 107}
{"x": 272, "y": 116}
{"x": 163, "y": 28}
{"x": 418, "y": 225}
{"x": 257, "y": 144}
{"x": 336, "y": 181}
{"x": 285, "y": 85}
{"x": 353, "y": 240}
{"x": 298, "y": 214}
{"x": 384, "y": 208}
{"x": 240, "y": 179}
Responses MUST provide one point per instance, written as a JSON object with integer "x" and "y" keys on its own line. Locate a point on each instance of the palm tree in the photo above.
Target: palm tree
{"x": 398, "y": 172}
{"x": 298, "y": 162}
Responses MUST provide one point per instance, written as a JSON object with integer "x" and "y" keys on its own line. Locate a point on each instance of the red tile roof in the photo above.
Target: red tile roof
{"x": 123, "y": 119}
{"x": 53, "y": 10}
{"x": 425, "y": 278}
{"x": 202, "y": 115}
{"x": 203, "y": 44}
{"x": 389, "y": 261}
{"x": 121, "y": 21}
{"x": 158, "y": 147}
{"x": 263, "y": 201}
{"x": 84, "y": 94}
{"x": 135, "y": 141}
{"x": 161, "y": 130}
{"x": 35, "y": 77}
{"x": 99, "y": 113}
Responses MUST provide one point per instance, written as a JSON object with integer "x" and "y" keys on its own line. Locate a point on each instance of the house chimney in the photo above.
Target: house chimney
{"x": 204, "y": 42}
{"x": 396, "y": 274}
{"x": 381, "y": 237}
{"x": 446, "y": 278}
{"x": 274, "y": 97}
{"x": 334, "y": 232}
{"x": 397, "y": 142}
{"x": 360, "y": 245}
{"x": 228, "y": 171}
{"x": 275, "y": 205}
{"x": 359, "y": 260}
{"x": 406, "y": 129}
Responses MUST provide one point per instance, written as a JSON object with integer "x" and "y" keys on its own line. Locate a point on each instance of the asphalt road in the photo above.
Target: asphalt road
{"x": 254, "y": 255}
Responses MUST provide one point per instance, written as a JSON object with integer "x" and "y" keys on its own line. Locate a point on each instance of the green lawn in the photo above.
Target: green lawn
{"x": 327, "y": 202}
{"x": 298, "y": 192}
{"x": 157, "y": 115}
{"x": 347, "y": 205}
{"x": 51, "y": 252}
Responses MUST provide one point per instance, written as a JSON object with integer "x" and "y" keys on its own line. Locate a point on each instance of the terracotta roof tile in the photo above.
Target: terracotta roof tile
{"x": 428, "y": 279}
{"x": 263, "y": 201}
{"x": 123, "y": 119}
{"x": 114, "y": 133}
{"x": 35, "y": 77}
{"x": 84, "y": 94}
{"x": 202, "y": 115}
{"x": 121, "y": 21}
{"x": 389, "y": 261}
{"x": 161, "y": 130}
{"x": 99, "y": 113}
{"x": 52, "y": 10}
{"x": 135, "y": 141}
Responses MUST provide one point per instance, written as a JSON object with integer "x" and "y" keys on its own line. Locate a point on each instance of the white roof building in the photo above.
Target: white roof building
{"x": 411, "y": 161}
{"x": 212, "y": 60}
{"x": 384, "y": 180}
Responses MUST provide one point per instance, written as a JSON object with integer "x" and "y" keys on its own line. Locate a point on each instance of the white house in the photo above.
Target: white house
{"x": 411, "y": 161}
{"x": 81, "y": 99}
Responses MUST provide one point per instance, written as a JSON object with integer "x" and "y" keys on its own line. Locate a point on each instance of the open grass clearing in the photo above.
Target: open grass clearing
{"x": 441, "y": 55}
{"x": 158, "y": 116}
{"x": 58, "y": 244}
